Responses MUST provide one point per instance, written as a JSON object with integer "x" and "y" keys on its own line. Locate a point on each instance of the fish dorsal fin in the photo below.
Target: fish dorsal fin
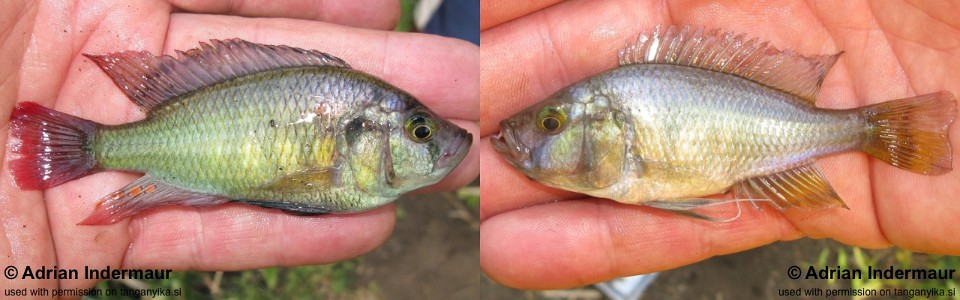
{"x": 802, "y": 187}
{"x": 729, "y": 53}
{"x": 149, "y": 80}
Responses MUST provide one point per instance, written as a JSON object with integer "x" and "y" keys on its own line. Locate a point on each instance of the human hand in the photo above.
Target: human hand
{"x": 42, "y": 62}
{"x": 529, "y": 239}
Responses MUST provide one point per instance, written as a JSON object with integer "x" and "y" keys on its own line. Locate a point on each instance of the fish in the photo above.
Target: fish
{"x": 234, "y": 121}
{"x": 692, "y": 113}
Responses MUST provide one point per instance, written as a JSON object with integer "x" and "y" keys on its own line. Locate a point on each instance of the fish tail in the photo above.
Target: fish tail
{"x": 911, "y": 133}
{"x": 53, "y": 146}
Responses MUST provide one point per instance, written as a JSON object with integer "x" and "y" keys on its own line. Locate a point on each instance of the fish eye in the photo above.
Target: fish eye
{"x": 550, "y": 123}
{"x": 551, "y": 119}
{"x": 420, "y": 127}
{"x": 422, "y": 132}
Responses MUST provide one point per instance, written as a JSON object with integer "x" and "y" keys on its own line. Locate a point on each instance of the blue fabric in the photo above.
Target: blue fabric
{"x": 457, "y": 18}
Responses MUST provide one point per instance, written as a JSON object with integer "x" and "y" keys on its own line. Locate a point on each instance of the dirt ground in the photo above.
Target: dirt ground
{"x": 756, "y": 274}
{"x": 434, "y": 252}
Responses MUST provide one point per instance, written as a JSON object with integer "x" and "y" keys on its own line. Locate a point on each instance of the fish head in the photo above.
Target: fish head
{"x": 425, "y": 148}
{"x": 573, "y": 140}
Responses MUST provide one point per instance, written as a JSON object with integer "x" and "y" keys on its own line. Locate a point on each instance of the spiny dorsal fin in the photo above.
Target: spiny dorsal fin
{"x": 802, "y": 187}
{"x": 732, "y": 54}
{"x": 149, "y": 80}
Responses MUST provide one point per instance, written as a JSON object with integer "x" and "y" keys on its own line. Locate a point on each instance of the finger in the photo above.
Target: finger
{"x": 240, "y": 237}
{"x": 86, "y": 246}
{"x": 374, "y": 14}
{"x": 573, "y": 243}
{"x": 27, "y": 240}
{"x": 868, "y": 235}
{"x": 526, "y": 60}
{"x": 556, "y": 51}
{"x": 913, "y": 208}
{"x": 54, "y": 74}
{"x": 848, "y": 174}
{"x": 56, "y": 45}
{"x": 900, "y": 62}
{"x": 495, "y": 12}
{"x": 441, "y": 72}
{"x": 505, "y": 188}
{"x": 857, "y": 225}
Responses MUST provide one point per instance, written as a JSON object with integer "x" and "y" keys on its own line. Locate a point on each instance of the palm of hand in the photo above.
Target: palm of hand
{"x": 229, "y": 237}
{"x": 896, "y": 50}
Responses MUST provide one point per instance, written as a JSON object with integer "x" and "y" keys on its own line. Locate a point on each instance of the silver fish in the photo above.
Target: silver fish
{"x": 692, "y": 113}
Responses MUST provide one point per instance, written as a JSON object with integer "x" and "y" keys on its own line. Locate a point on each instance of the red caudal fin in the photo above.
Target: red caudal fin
{"x": 911, "y": 133}
{"x": 52, "y": 146}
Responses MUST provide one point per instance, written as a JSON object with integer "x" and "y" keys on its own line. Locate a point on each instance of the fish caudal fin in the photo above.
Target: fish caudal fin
{"x": 911, "y": 133}
{"x": 52, "y": 146}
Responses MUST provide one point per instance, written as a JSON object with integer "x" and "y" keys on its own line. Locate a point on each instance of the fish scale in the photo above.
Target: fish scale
{"x": 215, "y": 155}
{"x": 789, "y": 129}
{"x": 705, "y": 112}
{"x": 273, "y": 126}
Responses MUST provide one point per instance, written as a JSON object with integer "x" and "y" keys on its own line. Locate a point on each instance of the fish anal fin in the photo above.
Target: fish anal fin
{"x": 150, "y": 80}
{"x": 802, "y": 187}
{"x": 733, "y": 54}
{"x": 143, "y": 194}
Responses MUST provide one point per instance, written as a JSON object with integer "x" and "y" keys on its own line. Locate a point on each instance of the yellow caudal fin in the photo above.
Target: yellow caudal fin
{"x": 911, "y": 133}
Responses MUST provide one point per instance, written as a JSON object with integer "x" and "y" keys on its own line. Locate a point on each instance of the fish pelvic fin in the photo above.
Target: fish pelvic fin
{"x": 911, "y": 133}
{"x": 143, "y": 194}
{"x": 685, "y": 207}
{"x": 150, "y": 80}
{"x": 730, "y": 53}
{"x": 53, "y": 146}
{"x": 290, "y": 208}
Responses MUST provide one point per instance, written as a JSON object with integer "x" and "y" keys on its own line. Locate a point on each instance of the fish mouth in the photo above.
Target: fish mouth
{"x": 455, "y": 153}
{"x": 509, "y": 146}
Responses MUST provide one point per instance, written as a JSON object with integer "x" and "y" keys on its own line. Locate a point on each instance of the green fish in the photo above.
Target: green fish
{"x": 274, "y": 126}
{"x": 692, "y": 113}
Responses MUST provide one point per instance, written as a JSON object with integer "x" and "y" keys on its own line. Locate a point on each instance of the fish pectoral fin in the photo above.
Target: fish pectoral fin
{"x": 145, "y": 193}
{"x": 730, "y": 53}
{"x": 306, "y": 180}
{"x": 291, "y": 208}
{"x": 802, "y": 187}
{"x": 685, "y": 207}
{"x": 149, "y": 80}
